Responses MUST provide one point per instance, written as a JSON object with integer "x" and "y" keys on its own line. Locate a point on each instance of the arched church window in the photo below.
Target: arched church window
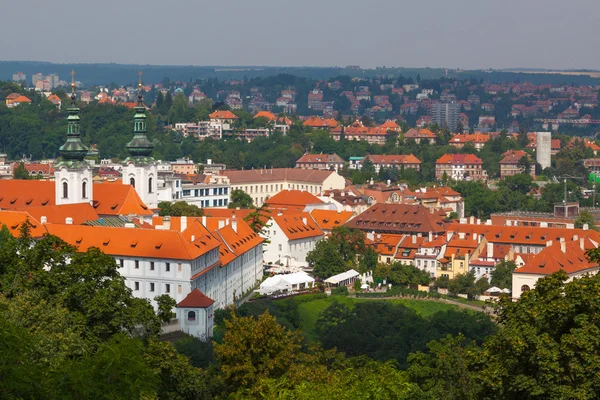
{"x": 132, "y": 182}
{"x": 65, "y": 187}
{"x": 525, "y": 288}
{"x": 84, "y": 190}
{"x": 191, "y": 315}
{"x": 150, "y": 185}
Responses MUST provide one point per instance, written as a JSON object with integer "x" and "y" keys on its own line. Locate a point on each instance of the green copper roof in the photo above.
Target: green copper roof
{"x": 73, "y": 150}
{"x": 140, "y": 148}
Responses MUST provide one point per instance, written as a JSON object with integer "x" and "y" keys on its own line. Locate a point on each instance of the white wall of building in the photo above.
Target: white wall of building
{"x": 74, "y": 180}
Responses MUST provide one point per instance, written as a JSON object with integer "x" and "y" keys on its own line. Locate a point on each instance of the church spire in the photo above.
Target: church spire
{"x": 73, "y": 151}
{"x": 140, "y": 148}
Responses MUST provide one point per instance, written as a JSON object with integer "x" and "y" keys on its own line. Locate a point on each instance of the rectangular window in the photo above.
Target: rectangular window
{"x": 121, "y": 263}
{"x": 225, "y": 190}
{"x": 168, "y": 267}
{"x": 137, "y": 264}
{"x": 179, "y": 267}
{"x": 151, "y": 287}
{"x": 179, "y": 289}
{"x": 136, "y": 285}
{"x": 280, "y": 248}
{"x": 151, "y": 265}
{"x": 186, "y": 192}
{"x": 167, "y": 288}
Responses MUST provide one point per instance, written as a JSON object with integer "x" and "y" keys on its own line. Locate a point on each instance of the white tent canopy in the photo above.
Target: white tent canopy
{"x": 494, "y": 289}
{"x": 289, "y": 282}
{"x": 345, "y": 278}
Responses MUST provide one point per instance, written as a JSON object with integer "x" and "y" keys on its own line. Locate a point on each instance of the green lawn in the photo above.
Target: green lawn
{"x": 309, "y": 311}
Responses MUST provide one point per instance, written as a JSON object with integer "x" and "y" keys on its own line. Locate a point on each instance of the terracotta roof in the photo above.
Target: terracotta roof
{"x": 318, "y": 122}
{"x": 14, "y": 219}
{"x": 329, "y": 219}
{"x": 552, "y": 259}
{"x": 57, "y": 214}
{"x": 320, "y": 158}
{"x": 419, "y": 133}
{"x": 293, "y": 199}
{"x": 118, "y": 199}
{"x": 473, "y": 138}
{"x": 459, "y": 159}
{"x": 390, "y": 125}
{"x": 196, "y": 299}
{"x": 237, "y": 177}
{"x": 399, "y": 218}
{"x": 394, "y": 159}
{"x": 19, "y": 194}
{"x": 523, "y": 234}
{"x": 133, "y": 242}
{"x": 223, "y": 114}
{"x": 227, "y": 212}
{"x": 294, "y": 226}
{"x": 513, "y": 156}
{"x": 265, "y": 114}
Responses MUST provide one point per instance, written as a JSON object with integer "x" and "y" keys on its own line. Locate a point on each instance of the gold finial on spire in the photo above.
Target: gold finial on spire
{"x": 140, "y": 81}
{"x": 73, "y": 81}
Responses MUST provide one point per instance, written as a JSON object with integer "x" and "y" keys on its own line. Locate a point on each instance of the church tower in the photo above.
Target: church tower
{"x": 73, "y": 175}
{"x": 140, "y": 169}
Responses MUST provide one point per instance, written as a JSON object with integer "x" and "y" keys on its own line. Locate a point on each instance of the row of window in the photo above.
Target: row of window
{"x": 152, "y": 286}
{"x": 277, "y": 188}
{"x": 151, "y": 265}
{"x": 206, "y": 192}
{"x": 132, "y": 183}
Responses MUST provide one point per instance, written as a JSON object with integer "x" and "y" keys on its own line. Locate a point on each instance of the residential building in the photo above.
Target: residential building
{"x": 183, "y": 166}
{"x": 511, "y": 165}
{"x": 297, "y": 201}
{"x": 290, "y": 237}
{"x": 568, "y": 256}
{"x": 460, "y": 167}
{"x": 392, "y": 161}
{"x": 331, "y": 162}
{"x": 399, "y": 219}
{"x": 478, "y": 140}
{"x": 205, "y": 190}
{"x": 329, "y": 219}
{"x": 445, "y": 115}
{"x": 15, "y": 99}
{"x": 420, "y": 135}
{"x": 261, "y": 184}
{"x": 320, "y": 123}
{"x": 19, "y": 77}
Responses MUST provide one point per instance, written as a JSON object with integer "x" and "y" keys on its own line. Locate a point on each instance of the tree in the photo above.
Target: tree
{"x": 467, "y": 284}
{"x": 403, "y": 274}
{"x": 585, "y": 218}
{"x": 502, "y": 274}
{"x": 255, "y": 349}
{"x": 179, "y": 209}
{"x": 20, "y": 172}
{"x": 240, "y": 199}
{"x": 525, "y": 164}
{"x": 165, "y": 305}
{"x": 341, "y": 251}
{"x": 259, "y": 218}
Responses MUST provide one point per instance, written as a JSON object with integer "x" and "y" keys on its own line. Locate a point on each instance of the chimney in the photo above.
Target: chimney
{"x": 563, "y": 245}
{"x": 304, "y": 220}
{"x": 508, "y": 222}
{"x": 44, "y": 219}
{"x": 430, "y": 238}
{"x": 463, "y": 221}
{"x": 183, "y": 223}
{"x": 586, "y": 227}
{"x": 279, "y": 213}
{"x": 193, "y": 238}
{"x": 371, "y": 236}
{"x": 490, "y": 249}
{"x": 204, "y": 220}
{"x": 389, "y": 183}
{"x": 581, "y": 244}
{"x": 478, "y": 221}
{"x": 129, "y": 225}
{"x": 575, "y": 238}
{"x": 69, "y": 221}
{"x": 378, "y": 236}
{"x": 472, "y": 220}
{"x": 549, "y": 243}
{"x": 475, "y": 237}
{"x": 414, "y": 239}
{"x": 234, "y": 225}
{"x": 167, "y": 223}
{"x": 221, "y": 223}
{"x": 488, "y": 222}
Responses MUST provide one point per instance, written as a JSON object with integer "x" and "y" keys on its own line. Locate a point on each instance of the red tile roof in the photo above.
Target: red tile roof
{"x": 265, "y": 114}
{"x": 513, "y": 156}
{"x": 399, "y": 218}
{"x": 329, "y": 219}
{"x": 294, "y": 199}
{"x": 459, "y": 159}
{"x": 553, "y": 259}
{"x": 277, "y": 175}
{"x": 14, "y": 219}
{"x": 320, "y": 158}
{"x": 223, "y": 114}
{"x": 118, "y": 199}
{"x": 394, "y": 159}
{"x": 196, "y": 299}
{"x": 294, "y": 226}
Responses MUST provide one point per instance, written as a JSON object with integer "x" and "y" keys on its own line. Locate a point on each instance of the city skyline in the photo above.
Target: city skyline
{"x": 462, "y": 34}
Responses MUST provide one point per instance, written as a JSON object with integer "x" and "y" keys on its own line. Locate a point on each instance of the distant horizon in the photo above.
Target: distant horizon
{"x": 507, "y": 69}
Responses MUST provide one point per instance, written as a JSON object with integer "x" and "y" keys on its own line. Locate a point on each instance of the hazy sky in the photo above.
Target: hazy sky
{"x": 434, "y": 33}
